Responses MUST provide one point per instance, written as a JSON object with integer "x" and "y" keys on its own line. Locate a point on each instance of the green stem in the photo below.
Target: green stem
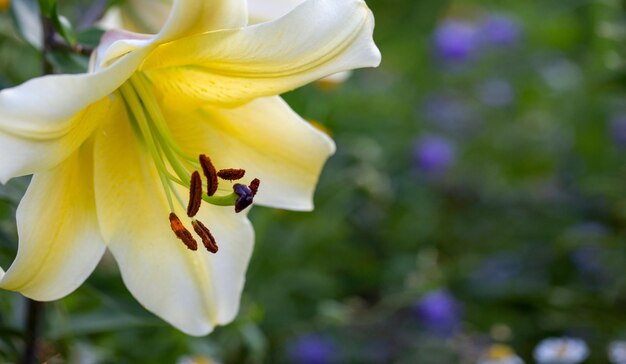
{"x": 35, "y": 309}
{"x": 34, "y": 316}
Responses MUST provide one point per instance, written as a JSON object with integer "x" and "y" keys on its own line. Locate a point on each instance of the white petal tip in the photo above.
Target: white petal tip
{"x": 196, "y": 331}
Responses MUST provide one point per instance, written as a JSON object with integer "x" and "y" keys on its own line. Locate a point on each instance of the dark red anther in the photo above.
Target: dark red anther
{"x": 207, "y": 238}
{"x": 254, "y": 186}
{"x": 195, "y": 194}
{"x": 182, "y": 233}
{"x": 245, "y": 196}
{"x": 231, "y": 174}
{"x": 209, "y": 172}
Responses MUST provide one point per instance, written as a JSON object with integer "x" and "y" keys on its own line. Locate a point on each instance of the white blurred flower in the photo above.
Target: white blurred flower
{"x": 563, "y": 350}
{"x": 617, "y": 352}
{"x": 500, "y": 354}
{"x": 196, "y": 359}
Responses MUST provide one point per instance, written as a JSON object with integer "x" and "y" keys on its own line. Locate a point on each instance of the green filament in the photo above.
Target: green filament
{"x": 149, "y": 124}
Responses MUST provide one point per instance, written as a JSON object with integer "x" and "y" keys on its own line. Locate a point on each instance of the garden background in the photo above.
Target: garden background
{"x": 477, "y": 197}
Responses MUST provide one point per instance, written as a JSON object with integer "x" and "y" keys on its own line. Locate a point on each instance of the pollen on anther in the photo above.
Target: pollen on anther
{"x": 254, "y": 186}
{"x": 182, "y": 233}
{"x": 231, "y": 174}
{"x": 209, "y": 172}
{"x": 195, "y": 194}
{"x": 207, "y": 238}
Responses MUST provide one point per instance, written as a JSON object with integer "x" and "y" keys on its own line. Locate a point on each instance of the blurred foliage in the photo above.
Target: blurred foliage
{"x": 524, "y": 224}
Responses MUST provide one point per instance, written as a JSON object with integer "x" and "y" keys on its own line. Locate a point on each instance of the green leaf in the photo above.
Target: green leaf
{"x": 67, "y": 62}
{"x": 90, "y": 37}
{"x": 47, "y": 7}
{"x": 27, "y": 19}
{"x": 96, "y": 323}
{"x": 63, "y": 27}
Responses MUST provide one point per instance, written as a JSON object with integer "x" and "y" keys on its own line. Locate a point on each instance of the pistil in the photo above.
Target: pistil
{"x": 245, "y": 196}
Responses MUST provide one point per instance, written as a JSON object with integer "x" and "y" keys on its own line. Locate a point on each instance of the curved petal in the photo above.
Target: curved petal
{"x": 267, "y": 139}
{"x": 60, "y": 243}
{"x": 46, "y": 105}
{"x": 116, "y": 43}
{"x": 45, "y": 119}
{"x": 192, "y": 290}
{"x": 318, "y": 38}
{"x": 132, "y": 15}
{"x": 27, "y": 153}
{"x": 176, "y": 18}
{"x": 186, "y": 17}
{"x": 265, "y": 10}
{"x": 189, "y": 17}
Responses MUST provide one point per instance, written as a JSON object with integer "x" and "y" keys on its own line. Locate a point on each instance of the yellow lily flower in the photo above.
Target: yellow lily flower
{"x": 115, "y": 152}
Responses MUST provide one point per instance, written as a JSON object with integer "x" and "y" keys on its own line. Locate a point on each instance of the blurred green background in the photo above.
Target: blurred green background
{"x": 477, "y": 197}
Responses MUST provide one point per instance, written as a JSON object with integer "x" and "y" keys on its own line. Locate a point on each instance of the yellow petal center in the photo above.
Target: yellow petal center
{"x": 175, "y": 166}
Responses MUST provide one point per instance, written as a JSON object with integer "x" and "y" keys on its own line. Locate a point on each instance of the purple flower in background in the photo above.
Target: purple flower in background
{"x": 434, "y": 155}
{"x": 617, "y": 130}
{"x": 455, "y": 41}
{"x": 439, "y": 312}
{"x": 496, "y": 92}
{"x": 447, "y": 110}
{"x": 312, "y": 349}
{"x": 588, "y": 259}
{"x": 500, "y": 31}
{"x": 497, "y": 271}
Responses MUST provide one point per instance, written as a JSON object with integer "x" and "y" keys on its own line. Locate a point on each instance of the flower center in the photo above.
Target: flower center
{"x": 175, "y": 166}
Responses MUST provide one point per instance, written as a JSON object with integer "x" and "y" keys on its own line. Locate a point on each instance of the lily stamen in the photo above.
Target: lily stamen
{"x": 209, "y": 172}
{"x": 173, "y": 165}
{"x": 254, "y": 186}
{"x": 182, "y": 233}
{"x": 231, "y": 174}
{"x": 205, "y": 234}
{"x": 195, "y": 194}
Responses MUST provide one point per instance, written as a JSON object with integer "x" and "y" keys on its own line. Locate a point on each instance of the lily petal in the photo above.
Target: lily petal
{"x": 186, "y": 17}
{"x": 189, "y": 17}
{"x": 42, "y": 152}
{"x": 45, "y": 119}
{"x": 267, "y": 139}
{"x": 264, "y": 10}
{"x": 192, "y": 290}
{"x": 235, "y": 66}
{"x": 132, "y": 15}
{"x": 47, "y": 104}
{"x": 60, "y": 242}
